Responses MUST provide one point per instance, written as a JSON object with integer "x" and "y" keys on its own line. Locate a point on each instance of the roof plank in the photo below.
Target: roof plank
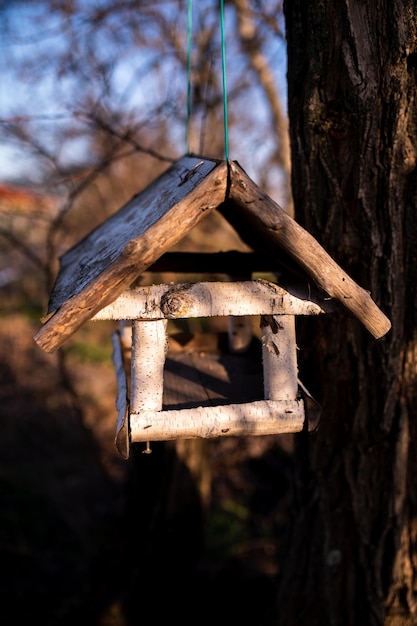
{"x": 106, "y": 243}
{"x": 144, "y": 229}
{"x": 268, "y": 218}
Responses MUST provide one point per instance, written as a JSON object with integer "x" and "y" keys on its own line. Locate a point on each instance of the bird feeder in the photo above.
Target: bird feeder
{"x": 96, "y": 282}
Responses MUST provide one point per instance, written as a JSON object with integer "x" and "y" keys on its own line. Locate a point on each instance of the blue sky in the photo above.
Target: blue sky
{"x": 47, "y": 100}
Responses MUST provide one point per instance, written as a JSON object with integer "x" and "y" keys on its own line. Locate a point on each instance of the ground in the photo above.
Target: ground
{"x": 90, "y": 538}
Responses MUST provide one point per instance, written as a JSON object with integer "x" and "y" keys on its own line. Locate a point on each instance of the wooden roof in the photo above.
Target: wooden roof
{"x": 100, "y": 267}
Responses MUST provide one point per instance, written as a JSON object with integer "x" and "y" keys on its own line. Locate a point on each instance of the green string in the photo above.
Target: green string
{"x": 189, "y": 45}
{"x": 189, "y": 42}
{"x": 225, "y": 120}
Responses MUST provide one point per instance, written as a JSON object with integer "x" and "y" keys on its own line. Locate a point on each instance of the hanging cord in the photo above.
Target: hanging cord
{"x": 225, "y": 120}
{"x": 189, "y": 47}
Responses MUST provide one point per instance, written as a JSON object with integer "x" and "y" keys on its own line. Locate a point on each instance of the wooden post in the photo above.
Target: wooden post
{"x": 149, "y": 347}
{"x": 279, "y": 357}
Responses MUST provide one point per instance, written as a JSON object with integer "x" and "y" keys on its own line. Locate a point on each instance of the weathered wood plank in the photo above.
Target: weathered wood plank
{"x": 146, "y": 243}
{"x": 106, "y": 243}
{"x": 274, "y": 224}
{"x": 192, "y": 380}
{"x": 210, "y": 299}
{"x": 198, "y": 372}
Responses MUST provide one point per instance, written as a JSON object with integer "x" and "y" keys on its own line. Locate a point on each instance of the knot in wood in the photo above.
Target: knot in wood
{"x": 174, "y": 305}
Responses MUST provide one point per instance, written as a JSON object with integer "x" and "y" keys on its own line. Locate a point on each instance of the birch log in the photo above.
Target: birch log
{"x": 279, "y": 356}
{"x": 254, "y": 418}
{"x": 149, "y": 347}
{"x": 208, "y": 299}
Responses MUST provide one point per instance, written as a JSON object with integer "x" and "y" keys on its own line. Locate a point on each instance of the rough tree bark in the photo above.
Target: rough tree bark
{"x": 352, "y": 72}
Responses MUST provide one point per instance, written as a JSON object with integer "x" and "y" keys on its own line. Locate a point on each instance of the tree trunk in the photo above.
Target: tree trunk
{"x": 352, "y": 553}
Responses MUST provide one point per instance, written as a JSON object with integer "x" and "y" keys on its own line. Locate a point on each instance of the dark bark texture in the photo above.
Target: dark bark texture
{"x": 352, "y": 551}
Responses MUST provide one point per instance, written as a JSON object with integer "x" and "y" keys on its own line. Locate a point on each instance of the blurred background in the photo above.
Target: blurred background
{"x": 93, "y": 107}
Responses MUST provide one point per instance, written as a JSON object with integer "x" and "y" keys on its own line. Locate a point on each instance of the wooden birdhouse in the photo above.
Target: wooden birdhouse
{"x": 96, "y": 281}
